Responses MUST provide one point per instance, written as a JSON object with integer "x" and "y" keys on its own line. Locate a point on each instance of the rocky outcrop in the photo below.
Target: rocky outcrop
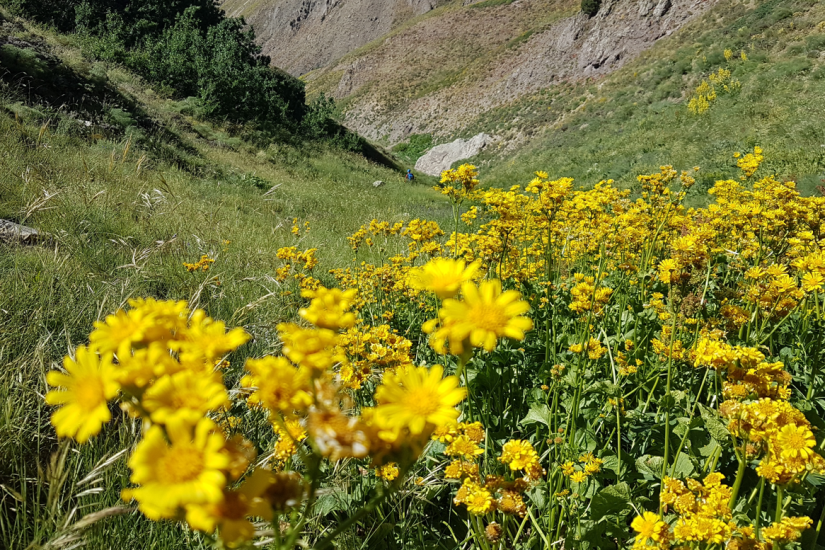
{"x": 14, "y": 233}
{"x": 302, "y": 35}
{"x": 441, "y": 157}
{"x": 401, "y": 68}
{"x": 494, "y": 72}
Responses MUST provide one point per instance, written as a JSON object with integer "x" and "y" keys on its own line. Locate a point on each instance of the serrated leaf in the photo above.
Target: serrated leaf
{"x": 611, "y": 462}
{"x": 817, "y": 480}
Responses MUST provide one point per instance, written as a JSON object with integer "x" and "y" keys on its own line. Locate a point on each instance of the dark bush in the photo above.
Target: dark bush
{"x": 189, "y": 48}
{"x": 591, "y": 7}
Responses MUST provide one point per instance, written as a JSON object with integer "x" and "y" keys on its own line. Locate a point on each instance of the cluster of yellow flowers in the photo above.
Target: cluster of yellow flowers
{"x": 587, "y": 466}
{"x": 748, "y": 375}
{"x": 201, "y": 265}
{"x": 296, "y": 227}
{"x": 705, "y": 93}
{"x": 164, "y": 362}
{"x": 704, "y": 518}
{"x": 633, "y": 296}
{"x": 777, "y": 433}
{"x": 296, "y": 263}
{"x": 459, "y": 183}
{"x": 369, "y": 352}
{"x": 493, "y": 493}
{"x": 750, "y": 162}
{"x": 586, "y": 297}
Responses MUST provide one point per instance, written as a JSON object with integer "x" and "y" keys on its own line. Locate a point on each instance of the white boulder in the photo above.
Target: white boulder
{"x": 441, "y": 157}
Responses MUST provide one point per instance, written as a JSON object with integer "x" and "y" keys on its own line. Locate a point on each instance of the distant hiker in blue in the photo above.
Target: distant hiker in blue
{"x": 410, "y": 175}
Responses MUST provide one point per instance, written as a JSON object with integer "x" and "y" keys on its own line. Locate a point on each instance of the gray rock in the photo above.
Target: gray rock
{"x": 661, "y": 8}
{"x": 14, "y": 233}
{"x": 302, "y": 35}
{"x": 441, "y": 157}
{"x": 378, "y": 183}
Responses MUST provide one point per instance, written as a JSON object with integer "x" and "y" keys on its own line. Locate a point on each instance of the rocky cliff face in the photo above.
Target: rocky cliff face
{"x": 435, "y": 71}
{"x": 571, "y": 48}
{"x": 302, "y": 35}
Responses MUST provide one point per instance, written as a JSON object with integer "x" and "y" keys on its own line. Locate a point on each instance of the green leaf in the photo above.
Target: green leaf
{"x": 612, "y": 500}
{"x": 650, "y": 466}
{"x": 817, "y": 480}
{"x": 537, "y": 414}
{"x": 611, "y": 462}
{"x": 667, "y": 402}
{"x": 606, "y": 388}
{"x": 682, "y": 426}
{"x": 715, "y": 427}
{"x": 329, "y": 503}
{"x": 709, "y": 449}
{"x": 683, "y": 467}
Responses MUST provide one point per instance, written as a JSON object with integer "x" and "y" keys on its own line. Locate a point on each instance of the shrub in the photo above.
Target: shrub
{"x": 591, "y": 7}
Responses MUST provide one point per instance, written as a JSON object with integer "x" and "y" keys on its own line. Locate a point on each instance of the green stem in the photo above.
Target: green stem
{"x": 518, "y": 533}
{"x": 687, "y": 432}
{"x": 778, "y": 515}
{"x": 315, "y": 469}
{"x": 366, "y": 509}
{"x": 780, "y": 497}
{"x": 740, "y": 473}
{"x": 619, "y": 440}
{"x": 462, "y": 371}
{"x": 538, "y": 528}
{"x": 815, "y": 539}
{"x": 758, "y": 519}
{"x": 669, "y": 383}
{"x": 456, "y": 210}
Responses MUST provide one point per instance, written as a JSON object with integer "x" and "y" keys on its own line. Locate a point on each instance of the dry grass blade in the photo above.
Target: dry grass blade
{"x": 72, "y": 535}
{"x": 271, "y": 189}
{"x": 38, "y": 204}
{"x": 100, "y": 467}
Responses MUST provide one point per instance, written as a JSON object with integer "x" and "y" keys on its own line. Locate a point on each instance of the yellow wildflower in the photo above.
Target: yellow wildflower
{"x": 417, "y": 396}
{"x": 186, "y": 470}
{"x": 89, "y": 382}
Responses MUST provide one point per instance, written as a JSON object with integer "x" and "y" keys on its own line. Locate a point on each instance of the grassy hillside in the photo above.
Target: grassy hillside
{"x": 129, "y": 183}
{"x": 129, "y": 187}
{"x": 626, "y": 123}
{"x": 614, "y": 125}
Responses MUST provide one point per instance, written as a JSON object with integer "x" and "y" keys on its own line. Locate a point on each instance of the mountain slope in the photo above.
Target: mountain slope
{"x": 600, "y": 97}
{"x": 476, "y": 58}
{"x": 422, "y": 66}
{"x": 631, "y": 121}
{"x": 302, "y": 35}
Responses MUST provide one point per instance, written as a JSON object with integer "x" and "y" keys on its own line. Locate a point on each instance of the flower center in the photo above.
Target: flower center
{"x": 488, "y": 317}
{"x": 188, "y": 399}
{"x": 89, "y": 393}
{"x": 180, "y": 464}
{"x": 421, "y": 402}
{"x": 795, "y": 440}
